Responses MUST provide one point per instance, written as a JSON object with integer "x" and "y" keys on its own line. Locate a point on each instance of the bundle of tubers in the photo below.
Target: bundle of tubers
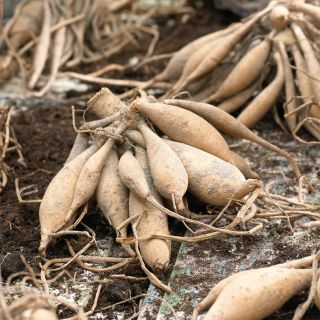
{"x": 135, "y": 174}
{"x": 45, "y": 36}
{"x": 250, "y": 63}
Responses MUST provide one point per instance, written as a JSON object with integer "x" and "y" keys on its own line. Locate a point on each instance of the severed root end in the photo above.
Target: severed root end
{"x": 179, "y": 207}
{"x": 247, "y": 187}
{"x": 104, "y": 103}
{"x": 69, "y": 216}
{"x": 195, "y": 313}
{"x": 45, "y": 240}
{"x": 122, "y": 234}
{"x": 159, "y": 267}
{"x": 128, "y": 248}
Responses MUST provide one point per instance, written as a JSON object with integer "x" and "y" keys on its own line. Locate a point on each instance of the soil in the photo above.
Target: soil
{"x": 46, "y": 134}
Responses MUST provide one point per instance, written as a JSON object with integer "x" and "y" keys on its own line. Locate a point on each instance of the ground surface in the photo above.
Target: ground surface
{"x": 45, "y": 132}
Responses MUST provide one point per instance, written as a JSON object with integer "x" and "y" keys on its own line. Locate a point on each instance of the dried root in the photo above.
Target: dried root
{"x": 66, "y": 34}
{"x": 8, "y": 144}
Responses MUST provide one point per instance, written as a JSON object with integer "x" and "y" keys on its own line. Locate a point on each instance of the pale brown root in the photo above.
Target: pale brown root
{"x": 302, "y": 308}
{"x": 106, "y": 69}
{"x": 8, "y": 143}
{"x": 194, "y": 130}
{"x": 279, "y": 17}
{"x": 302, "y": 74}
{"x": 231, "y": 126}
{"x": 208, "y": 301}
{"x": 169, "y": 175}
{"x": 114, "y": 82}
{"x": 89, "y": 176}
{"x": 235, "y": 81}
{"x": 42, "y": 49}
{"x": 101, "y": 122}
{"x": 306, "y": 91}
{"x": 234, "y": 103}
{"x": 306, "y": 8}
{"x": 197, "y": 238}
{"x": 136, "y": 137}
{"x": 80, "y": 144}
{"x": 309, "y": 225}
{"x": 217, "y": 54}
{"x": 246, "y": 296}
{"x": 153, "y": 279}
{"x": 311, "y": 61}
{"x": 112, "y": 196}
{"x": 55, "y": 204}
{"x": 154, "y": 58}
{"x": 176, "y": 64}
{"x": 119, "y": 262}
{"x": 58, "y": 44}
{"x": 314, "y": 130}
{"x": 259, "y": 106}
{"x": 290, "y": 104}
{"x": 156, "y": 253}
{"x": 19, "y": 192}
{"x": 104, "y": 103}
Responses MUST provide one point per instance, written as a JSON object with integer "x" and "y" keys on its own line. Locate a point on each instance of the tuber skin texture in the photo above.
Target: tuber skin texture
{"x": 261, "y": 104}
{"x": 244, "y": 73}
{"x": 176, "y": 64}
{"x": 211, "y": 179}
{"x": 230, "y": 125}
{"x": 132, "y": 175}
{"x": 238, "y": 100}
{"x": 105, "y": 103}
{"x": 80, "y": 144}
{"x": 57, "y": 52}
{"x": 316, "y": 298}
{"x": 155, "y": 252}
{"x": 289, "y": 87}
{"x": 216, "y": 54}
{"x": 253, "y": 294}
{"x": 42, "y": 48}
{"x": 168, "y": 173}
{"x": 112, "y": 196}
{"x": 312, "y": 64}
{"x": 55, "y": 203}
{"x": 304, "y": 85}
{"x": 193, "y": 130}
{"x": 90, "y": 175}
{"x": 306, "y": 8}
{"x": 43, "y": 314}
{"x": 279, "y": 17}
